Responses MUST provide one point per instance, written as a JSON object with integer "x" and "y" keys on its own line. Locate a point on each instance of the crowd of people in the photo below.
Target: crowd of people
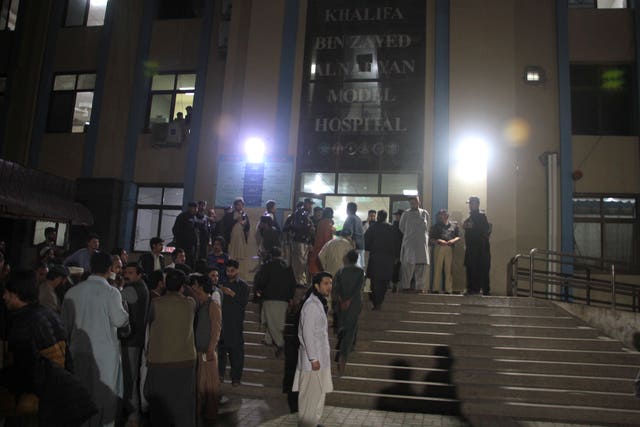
{"x": 149, "y": 341}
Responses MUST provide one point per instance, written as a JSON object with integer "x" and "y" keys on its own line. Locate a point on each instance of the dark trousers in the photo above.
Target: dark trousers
{"x": 171, "y": 396}
{"x": 478, "y": 274}
{"x": 236, "y": 357}
{"x": 378, "y": 290}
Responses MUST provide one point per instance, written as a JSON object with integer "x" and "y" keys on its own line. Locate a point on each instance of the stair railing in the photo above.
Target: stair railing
{"x": 572, "y": 278}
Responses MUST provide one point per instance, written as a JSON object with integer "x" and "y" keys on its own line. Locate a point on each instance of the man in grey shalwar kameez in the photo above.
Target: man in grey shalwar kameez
{"x": 414, "y": 255}
{"x": 92, "y": 312}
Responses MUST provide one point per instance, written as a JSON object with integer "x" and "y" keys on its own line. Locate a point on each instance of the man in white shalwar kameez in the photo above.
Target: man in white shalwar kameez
{"x": 414, "y": 255}
{"x": 92, "y": 312}
{"x": 313, "y": 373}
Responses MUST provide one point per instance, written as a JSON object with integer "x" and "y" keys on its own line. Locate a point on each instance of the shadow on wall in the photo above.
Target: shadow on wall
{"x": 438, "y": 395}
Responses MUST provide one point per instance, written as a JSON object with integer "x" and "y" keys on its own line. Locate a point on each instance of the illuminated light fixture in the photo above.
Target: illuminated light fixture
{"x": 313, "y": 69}
{"x": 410, "y": 192}
{"x": 472, "y": 155}
{"x": 534, "y": 75}
{"x": 99, "y": 3}
{"x": 254, "y": 149}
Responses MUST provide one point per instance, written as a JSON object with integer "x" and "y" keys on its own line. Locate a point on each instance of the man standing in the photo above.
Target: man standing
{"x": 271, "y": 211}
{"x": 414, "y": 254}
{"x": 371, "y": 219}
{"x": 82, "y": 257}
{"x": 207, "y": 332}
{"x": 353, "y": 227}
{"x": 203, "y": 230}
{"x": 382, "y": 245}
{"x": 92, "y": 312}
{"x": 136, "y": 295}
{"x": 185, "y": 232}
{"x": 303, "y": 233}
{"x": 236, "y": 297}
{"x": 154, "y": 260}
{"x": 444, "y": 235}
{"x": 50, "y": 242}
{"x": 275, "y": 286}
{"x": 56, "y": 277}
{"x": 332, "y": 254}
{"x": 313, "y": 372}
{"x": 477, "y": 255}
{"x": 171, "y": 356}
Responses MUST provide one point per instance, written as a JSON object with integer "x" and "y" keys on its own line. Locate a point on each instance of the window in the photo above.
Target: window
{"x": 170, "y": 94}
{"x": 38, "y": 233}
{"x": 8, "y": 14}
{"x": 602, "y": 99}
{"x": 156, "y": 212}
{"x": 606, "y": 227}
{"x": 71, "y": 103}
{"x": 601, "y": 4}
{"x": 85, "y": 13}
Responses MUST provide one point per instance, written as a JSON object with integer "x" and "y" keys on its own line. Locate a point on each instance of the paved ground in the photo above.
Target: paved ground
{"x": 275, "y": 413}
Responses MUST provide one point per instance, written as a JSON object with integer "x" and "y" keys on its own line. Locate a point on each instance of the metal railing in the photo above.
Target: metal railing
{"x": 571, "y": 278}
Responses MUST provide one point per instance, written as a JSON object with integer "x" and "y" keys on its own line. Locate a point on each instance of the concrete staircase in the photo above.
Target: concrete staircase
{"x": 491, "y": 360}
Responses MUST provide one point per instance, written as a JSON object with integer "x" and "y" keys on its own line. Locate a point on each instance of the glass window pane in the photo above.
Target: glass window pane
{"x": 4, "y": 15}
{"x": 38, "y": 233}
{"x": 75, "y": 13}
{"x": 97, "y": 9}
{"x": 13, "y": 15}
{"x": 318, "y": 183}
{"x": 146, "y": 228}
{"x": 619, "y": 208}
{"x": 186, "y": 81}
{"x": 86, "y": 81}
{"x": 399, "y": 183}
{"x": 160, "y": 109}
{"x": 339, "y": 206}
{"x": 358, "y": 183}
{"x": 173, "y": 196}
{"x": 61, "y": 111}
{"x": 64, "y": 82}
{"x": 163, "y": 82}
{"x": 183, "y": 100}
{"x": 149, "y": 195}
{"x": 618, "y": 242}
{"x": 82, "y": 111}
{"x": 586, "y": 207}
{"x": 586, "y": 237}
{"x": 62, "y": 234}
{"x": 612, "y": 4}
{"x": 168, "y": 219}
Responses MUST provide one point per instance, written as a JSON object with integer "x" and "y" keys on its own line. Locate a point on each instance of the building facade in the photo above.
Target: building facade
{"x": 532, "y": 106}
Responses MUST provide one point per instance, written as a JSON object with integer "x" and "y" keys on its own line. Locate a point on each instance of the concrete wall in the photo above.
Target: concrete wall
{"x": 601, "y": 35}
{"x": 61, "y": 154}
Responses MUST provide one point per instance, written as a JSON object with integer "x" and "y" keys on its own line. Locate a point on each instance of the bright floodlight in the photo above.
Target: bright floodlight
{"x": 471, "y": 157}
{"x": 254, "y": 148}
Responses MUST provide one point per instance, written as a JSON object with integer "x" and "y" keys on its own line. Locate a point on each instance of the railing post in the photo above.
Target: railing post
{"x": 613, "y": 286}
{"x": 531, "y": 270}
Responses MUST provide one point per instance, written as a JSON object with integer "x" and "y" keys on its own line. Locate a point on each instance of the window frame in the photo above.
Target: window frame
{"x": 173, "y": 94}
{"x": 602, "y": 219}
{"x": 15, "y": 23}
{"x": 75, "y": 91}
{"x": 160, "y": 207}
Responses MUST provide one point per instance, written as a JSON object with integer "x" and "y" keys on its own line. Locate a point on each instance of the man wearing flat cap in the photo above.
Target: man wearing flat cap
{"x": 477, "y": 255}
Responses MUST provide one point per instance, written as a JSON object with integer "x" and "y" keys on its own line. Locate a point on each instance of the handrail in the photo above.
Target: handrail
{"x": 570, "y": 280}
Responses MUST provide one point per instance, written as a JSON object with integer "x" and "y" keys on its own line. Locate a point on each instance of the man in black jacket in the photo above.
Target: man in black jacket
{"x": 381, "y": 241}
{"x": 153, "y": 260}
{"x": 275, "y": 286}
{"x": 185, "y": 232}
{"x": 136, "y": 294}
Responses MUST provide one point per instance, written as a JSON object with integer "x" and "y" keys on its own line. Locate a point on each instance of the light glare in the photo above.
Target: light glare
{"x": 472, "y": 156}
{"x": 254, "y": 149}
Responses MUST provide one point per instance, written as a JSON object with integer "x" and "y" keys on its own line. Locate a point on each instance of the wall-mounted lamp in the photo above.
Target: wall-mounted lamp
{"x": 534, "y": 75}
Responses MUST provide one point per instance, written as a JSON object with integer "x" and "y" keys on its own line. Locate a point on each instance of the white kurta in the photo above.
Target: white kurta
{"x": 92, "y": 311}
{"x": 414, "y": 225}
